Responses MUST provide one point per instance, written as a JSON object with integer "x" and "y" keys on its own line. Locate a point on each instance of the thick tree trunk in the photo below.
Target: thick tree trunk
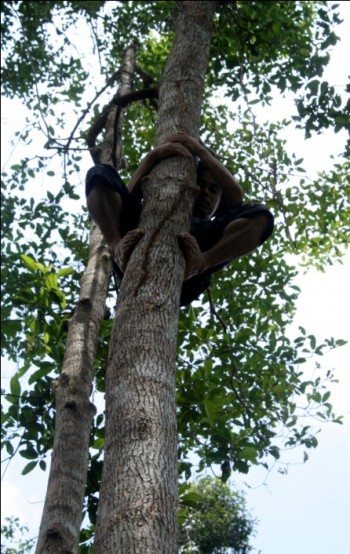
{"x": 138, "y": 498}
{"x": 62, "y": 514}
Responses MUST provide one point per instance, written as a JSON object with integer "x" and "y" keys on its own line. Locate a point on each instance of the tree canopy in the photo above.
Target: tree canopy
{"x": 241, "y": 385}
{"x": 217, "y": 522}
{"x": 14, "y": 537}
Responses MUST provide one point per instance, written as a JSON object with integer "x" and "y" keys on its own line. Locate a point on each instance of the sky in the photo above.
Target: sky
{"x": 307, "y": 510}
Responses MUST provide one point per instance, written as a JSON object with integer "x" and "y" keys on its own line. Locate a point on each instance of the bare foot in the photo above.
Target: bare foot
{"x": 195, "y": 260}
{"x": 125, "y": 247}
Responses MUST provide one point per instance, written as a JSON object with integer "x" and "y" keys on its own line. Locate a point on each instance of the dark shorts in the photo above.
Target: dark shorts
{"x": 109, "y": 176}
{"x": 207, "y": 234}
{"x": 210, "y": 232}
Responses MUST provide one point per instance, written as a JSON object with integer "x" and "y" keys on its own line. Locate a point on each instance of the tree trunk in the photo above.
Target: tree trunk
{"x": 62, "y": 514}
{"x": 138, "y": 497}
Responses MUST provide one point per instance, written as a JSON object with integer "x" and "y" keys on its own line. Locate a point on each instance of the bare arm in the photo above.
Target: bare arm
{"x": 232, "y": 191}
{"x": 159, "y": 153}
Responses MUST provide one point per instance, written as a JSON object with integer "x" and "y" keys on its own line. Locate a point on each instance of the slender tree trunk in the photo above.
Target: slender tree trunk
{"x": 138, "y": 497}
{"x": 62, "y": 514}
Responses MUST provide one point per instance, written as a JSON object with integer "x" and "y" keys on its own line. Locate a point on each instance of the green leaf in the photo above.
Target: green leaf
{"x": 312, "y": 342}
{"x": 29, "y": 262}
{"x": 42, "y": 372}
{"x": 275, "y": 452}
{"x": 42, "y": 465}
{"x": 51, "y": 281}
{"x": 313, "y": 86}
{"x": 15, "y": 386}
{"x": 29, "y": 467}
{"x": 65, "y": 271}
{"x": 210, "y": 409}
{"x": 326, "y": 396}
{"x": 249, "y": 453}
{"x": 191, "y": 499}
{"x": 29, "y": 453}
{"x": 9, "y": 447}
{"x": 182, "y": 515}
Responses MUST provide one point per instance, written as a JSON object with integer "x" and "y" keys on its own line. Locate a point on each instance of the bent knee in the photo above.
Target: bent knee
{"x": 100, "y": 188}
{"x": 103, "y": 202}
{"x": 98, "y": 183}
{"x": 262, "y": 221}
{"x": 264, "y": 224}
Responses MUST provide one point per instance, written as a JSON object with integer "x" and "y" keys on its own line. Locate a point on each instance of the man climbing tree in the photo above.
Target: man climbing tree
{"x": 239, "y": 375}
{"x": 221, "y": 228}
{"x": 141, "y": 438}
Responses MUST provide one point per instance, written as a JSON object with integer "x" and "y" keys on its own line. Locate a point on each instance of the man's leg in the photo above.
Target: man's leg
{"x": 105, "y": 206}
{"x": 240, "y": 237}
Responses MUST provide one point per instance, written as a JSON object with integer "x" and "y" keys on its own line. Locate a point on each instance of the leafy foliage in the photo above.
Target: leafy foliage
{"x": 13, "y": 533}
{"x": 215, "y": 519}
{"x": 241, "y": 380}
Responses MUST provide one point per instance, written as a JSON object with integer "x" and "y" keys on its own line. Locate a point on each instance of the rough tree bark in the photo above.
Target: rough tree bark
{"x": 138, "y": 497}
{"x": 62, "y": 514}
